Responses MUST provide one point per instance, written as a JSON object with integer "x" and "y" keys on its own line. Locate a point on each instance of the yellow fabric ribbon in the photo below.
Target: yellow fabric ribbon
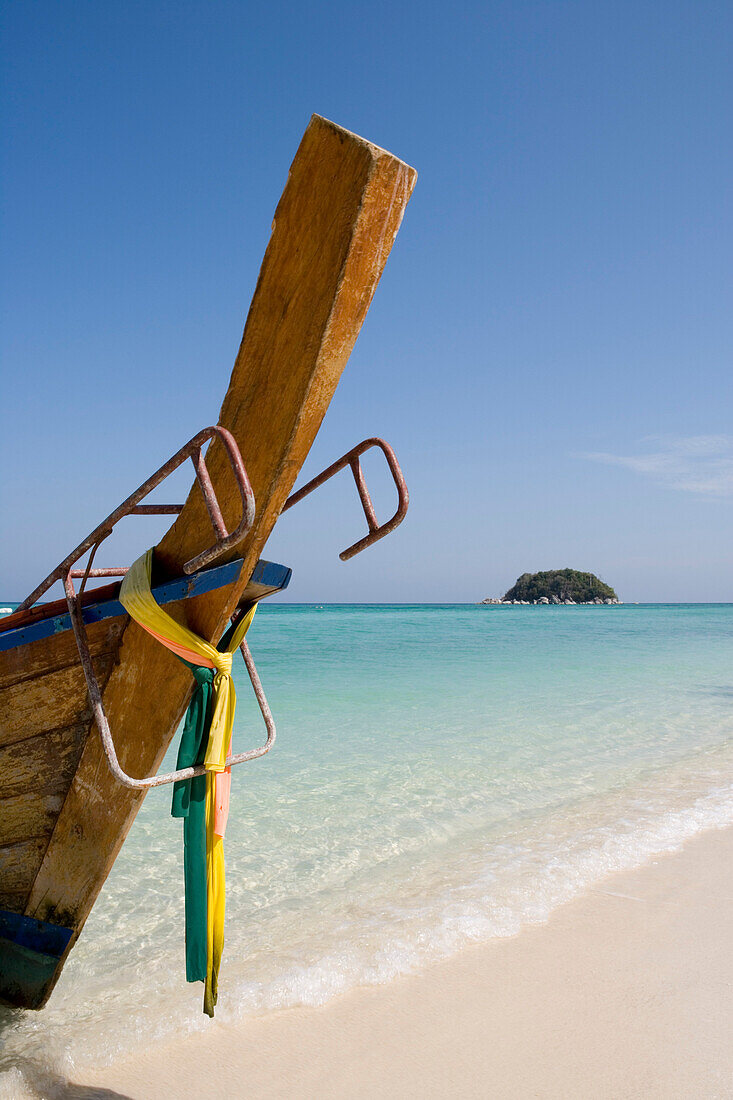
{"x": 215, "y": 901}
{"x": 139, "y": 602}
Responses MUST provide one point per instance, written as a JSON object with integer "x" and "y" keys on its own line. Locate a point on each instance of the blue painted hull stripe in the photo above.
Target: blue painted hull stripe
{"x": 266, "y": 573}
{"x": 36, "y": 935}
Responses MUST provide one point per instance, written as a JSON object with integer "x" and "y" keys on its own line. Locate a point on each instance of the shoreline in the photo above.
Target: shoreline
{"x": 626, "y": 991}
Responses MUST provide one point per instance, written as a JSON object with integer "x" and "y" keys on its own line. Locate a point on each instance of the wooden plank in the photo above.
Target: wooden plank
{"x": 45, "y": 763}
{"x": 56, "y": 700}
{"x": 19, "y": 865}
{"x": 333, "y": 230}
{"x": 28, "y": 816}
{"x": 51, "y": 654}
{"x": 36, "y": 776}
{"x": 15, "y": 902}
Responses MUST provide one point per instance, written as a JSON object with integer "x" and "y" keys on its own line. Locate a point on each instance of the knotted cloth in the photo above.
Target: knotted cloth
{"x": 216, "y": 713}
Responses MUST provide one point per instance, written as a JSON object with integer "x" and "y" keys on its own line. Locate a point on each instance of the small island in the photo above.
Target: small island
{"x": 558, "y": 586}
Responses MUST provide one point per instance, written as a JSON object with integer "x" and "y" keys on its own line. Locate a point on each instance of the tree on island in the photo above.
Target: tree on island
{"x": 562, "y": 584}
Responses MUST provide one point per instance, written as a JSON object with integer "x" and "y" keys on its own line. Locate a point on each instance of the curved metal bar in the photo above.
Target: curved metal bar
{"x": 132, "y": 506}
{"x": 223, "y": 540}
{"x": 100, "y": 718}
{"x": 253, "y": 754}
{"x": 110, "y": 571}
{"x": 351, "y": 458}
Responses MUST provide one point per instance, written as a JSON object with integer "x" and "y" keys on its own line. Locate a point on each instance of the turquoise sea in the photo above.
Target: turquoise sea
{"x": 442, "y": 775}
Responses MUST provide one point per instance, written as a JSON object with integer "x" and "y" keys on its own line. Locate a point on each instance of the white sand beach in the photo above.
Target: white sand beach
{"x": 625, "y": 992}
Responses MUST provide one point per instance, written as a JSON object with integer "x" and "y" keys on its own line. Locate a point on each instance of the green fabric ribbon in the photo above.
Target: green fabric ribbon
{"x": 189, "y": 803}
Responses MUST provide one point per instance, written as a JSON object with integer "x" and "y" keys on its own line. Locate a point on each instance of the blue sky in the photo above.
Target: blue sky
{"x": 549, "y": 349}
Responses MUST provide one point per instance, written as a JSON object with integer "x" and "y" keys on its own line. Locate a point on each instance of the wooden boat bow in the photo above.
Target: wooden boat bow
{"x": 64, "y": 816}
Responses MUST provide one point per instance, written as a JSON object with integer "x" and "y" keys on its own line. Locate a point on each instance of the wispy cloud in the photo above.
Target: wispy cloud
{"x": 694, "y": 464}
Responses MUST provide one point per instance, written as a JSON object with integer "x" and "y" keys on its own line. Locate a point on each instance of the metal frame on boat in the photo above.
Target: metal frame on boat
{"x": 132, "y": 507}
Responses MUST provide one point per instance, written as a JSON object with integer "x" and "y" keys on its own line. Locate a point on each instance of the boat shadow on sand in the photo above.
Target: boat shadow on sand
{"x": 22, "y": 1078}
{"x": 37, "y": 1081}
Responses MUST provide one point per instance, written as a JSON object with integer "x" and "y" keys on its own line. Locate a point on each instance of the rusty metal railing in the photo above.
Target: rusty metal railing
{"x": 351, "y": 458}
{"x": 224, "y": 539}
{"x": 100, "y": 717}
{"x": 132, "y": 506}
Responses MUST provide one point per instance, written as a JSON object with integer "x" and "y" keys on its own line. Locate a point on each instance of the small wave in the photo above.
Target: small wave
{"x": 412, "y": 938}
{"x": 510, "y": 888}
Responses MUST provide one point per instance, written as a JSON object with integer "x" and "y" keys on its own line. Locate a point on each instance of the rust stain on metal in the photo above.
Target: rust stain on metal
{"x": 131, "y": 506}
{"x": 351, "y": 458}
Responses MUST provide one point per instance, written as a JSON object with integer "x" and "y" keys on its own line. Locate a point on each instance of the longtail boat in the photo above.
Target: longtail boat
{"x": 82, "y": 733}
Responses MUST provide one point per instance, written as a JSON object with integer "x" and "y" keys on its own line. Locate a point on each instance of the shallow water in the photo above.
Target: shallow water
{"x": 442, "y": 775}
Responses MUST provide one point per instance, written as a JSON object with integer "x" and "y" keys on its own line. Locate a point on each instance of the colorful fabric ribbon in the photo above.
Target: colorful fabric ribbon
{"x": 189, "y": 803}
{"x": 203, "y": 802}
